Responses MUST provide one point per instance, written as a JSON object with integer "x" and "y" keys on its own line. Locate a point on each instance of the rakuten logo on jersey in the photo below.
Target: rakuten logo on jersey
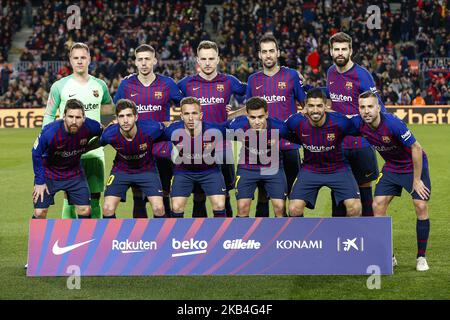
{"x": 148, "y": 108}
{"x": 209, "y": 101}
{"x": 274, "y": 98}
{"x": 192, "y": 246}
{"x": 239, "y": 244}
{"x": 340, "y": 97}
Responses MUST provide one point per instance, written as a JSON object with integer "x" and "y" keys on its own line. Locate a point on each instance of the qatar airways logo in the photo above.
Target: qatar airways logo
{"x": 148, "y": 108}
{"x": 313, "y": 148}
{"x": 274, "y": 98}
{"x": 212, "y": 100}
{"x": 340, "y": 97}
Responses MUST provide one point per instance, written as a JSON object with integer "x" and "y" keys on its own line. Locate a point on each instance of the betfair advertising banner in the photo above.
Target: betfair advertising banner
{"x": 32, "y": 118}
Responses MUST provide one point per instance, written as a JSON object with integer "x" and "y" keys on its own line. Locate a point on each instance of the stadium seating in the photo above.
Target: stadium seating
{"x": 393, "y": 54}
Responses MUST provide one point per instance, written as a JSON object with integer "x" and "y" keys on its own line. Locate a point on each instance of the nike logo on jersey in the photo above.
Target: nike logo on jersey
{"x": 368, "y": 175}
{"x": 259, "y": 87}
{"x": 195, "y": 89}
{"x": 71, "y": 95}
{"x": 305, "y": 135}
{"x": 57, "y": 250}
{"x": 331, "y": 82}
{"x": 133, "y": 94}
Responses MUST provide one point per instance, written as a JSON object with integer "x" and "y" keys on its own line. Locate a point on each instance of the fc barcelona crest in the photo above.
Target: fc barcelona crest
{"x": 220, "y": 87}
{"x": 386, "y": 139}
{"x": 158, "y": 94}
{"x": 331, "y": 136}
{"x": 83, "y": 142}
{"x": 95, "y": 93}
{"x": 143, "y": 147}
{"x": 349, "y": 85}
{"x": 281, "y": 85}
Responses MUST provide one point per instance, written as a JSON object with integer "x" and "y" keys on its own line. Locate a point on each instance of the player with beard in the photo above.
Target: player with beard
{"x": 282, "y": 88}
{"x": 57, "y": 160}
{"x": 346, "y": 80}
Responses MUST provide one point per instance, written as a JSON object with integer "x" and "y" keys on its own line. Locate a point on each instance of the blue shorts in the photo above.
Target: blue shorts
{"x": 119, "y": 182}
{"x": 211, "y": 182}
{"x": 227, "y": 170}
{"x": 308, "y": 184}
{"x": 77, "y": 190}
{"x": 363, "y": 163}
{"x": 391, "y": 184}
{"x": 247, "y": 180}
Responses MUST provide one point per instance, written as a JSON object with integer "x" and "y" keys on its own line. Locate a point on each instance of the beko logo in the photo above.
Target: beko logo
{"x": 192, "y": 246}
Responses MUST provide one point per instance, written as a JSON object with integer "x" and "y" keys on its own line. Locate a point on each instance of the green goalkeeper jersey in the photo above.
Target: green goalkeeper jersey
{"x": 92, "y": 94}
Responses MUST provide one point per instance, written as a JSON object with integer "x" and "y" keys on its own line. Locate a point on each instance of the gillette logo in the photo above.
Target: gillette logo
{"x": 239, "y": 244}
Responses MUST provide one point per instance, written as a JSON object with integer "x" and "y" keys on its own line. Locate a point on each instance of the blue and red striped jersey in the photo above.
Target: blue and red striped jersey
{"x": 281, "y": 91}
{"x": 393, "y": 140}
{"x": 153, "y": 102}
{"x": 322, "y": 145}
{"x": 56, "y": 153}
{"x": 214, "y": 95}
{"x": 344, "y": 89}
{"x": 133, "y": 156}
{"x": 257, "y": 153}
{"x": 195, "y": 154}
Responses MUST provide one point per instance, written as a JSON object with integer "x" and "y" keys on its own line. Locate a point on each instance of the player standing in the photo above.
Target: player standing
{"x": 264, "y": 148}
{"x": 346, "y": 80}
{"x": 94, "y": 95}
{"x": 321, "y": 134}
{"x": 152, "y": 93}
{"x": 134, "y": 164}
{"x": 196, "y": 142}
{"x": 213, "y": 90}
{"x": 406, "y": 167}
{"x": 56, "y": 160}
{"x": 281, "y": 87}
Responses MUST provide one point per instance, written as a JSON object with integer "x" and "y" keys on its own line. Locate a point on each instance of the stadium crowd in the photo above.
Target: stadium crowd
{"x": 421, "y": 29}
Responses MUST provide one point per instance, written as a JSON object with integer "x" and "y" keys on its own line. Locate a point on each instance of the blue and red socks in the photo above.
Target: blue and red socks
{"x": 366, "y": 201}
{"x": 176, "y": 215}
{"x": 220, "y": 213}
{"x": 423, "y": 232}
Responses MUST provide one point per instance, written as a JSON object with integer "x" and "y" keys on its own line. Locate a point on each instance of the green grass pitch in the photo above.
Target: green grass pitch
{"x": 406, "y": 283}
